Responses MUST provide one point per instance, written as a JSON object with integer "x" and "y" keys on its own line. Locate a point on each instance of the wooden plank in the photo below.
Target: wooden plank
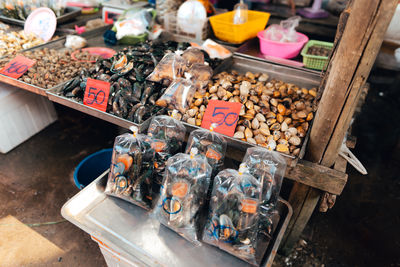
{"x": 303, "y": 200}
{"x": 349, "y": 67}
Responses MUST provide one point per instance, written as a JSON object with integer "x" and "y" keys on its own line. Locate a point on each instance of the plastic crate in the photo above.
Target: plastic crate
{"x": 225, "y": 30}
{"x": 313, "y": 61}
{"x": 170, "y": 24}
{"x": 22, "y": 115}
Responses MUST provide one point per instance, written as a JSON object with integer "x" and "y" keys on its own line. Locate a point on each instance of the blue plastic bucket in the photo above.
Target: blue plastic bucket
{"x": 92, "y": 167}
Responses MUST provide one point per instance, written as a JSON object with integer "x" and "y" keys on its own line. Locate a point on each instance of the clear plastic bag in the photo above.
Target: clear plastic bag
{"x": 134, "y": 22}
{"x": 178, "y": 95}
{"x": 233, "y": 219}
{"x": 284, "y": 32}
{"x": 168, "y": 135}
{"x": 200, "y": 75}
{"x": 183, "y": 195}
{"x": 210, "y": 144}
{"x": 193, "y": 56}
{"x": 131, "y": 171}
{"x": 268, "y": 167}
{"x": 171, "y": 67}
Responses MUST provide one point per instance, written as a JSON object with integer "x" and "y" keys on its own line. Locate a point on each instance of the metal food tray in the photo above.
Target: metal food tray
{"x": 236, "y": 147}
{"x": 94, "y": 38}
{"x": 131, "y": 231}
{"x": 70, "y": 13}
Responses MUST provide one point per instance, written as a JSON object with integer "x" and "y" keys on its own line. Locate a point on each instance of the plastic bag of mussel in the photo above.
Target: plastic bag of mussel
{"x": 183, "y": 194}
{"x": 168, "y": 135}
{"x": 210, "y": 144}
{"x": 131, "y": 170}
{"x": 268, "y": 167}
{"x": 234, "y": 218}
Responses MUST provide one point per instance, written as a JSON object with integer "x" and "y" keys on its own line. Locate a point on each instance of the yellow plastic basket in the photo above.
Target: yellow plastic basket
{"x": 225, "y": 30}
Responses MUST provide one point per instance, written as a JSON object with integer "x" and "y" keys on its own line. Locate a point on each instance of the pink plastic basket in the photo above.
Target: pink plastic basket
{"x": 282, "y": 50}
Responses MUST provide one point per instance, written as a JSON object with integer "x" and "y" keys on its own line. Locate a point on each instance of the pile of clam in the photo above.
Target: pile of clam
{"x": 274, "y": 114}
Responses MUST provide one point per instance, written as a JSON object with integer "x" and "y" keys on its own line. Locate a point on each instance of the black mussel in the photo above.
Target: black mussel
{"x": 139, "y": 114}
{"x": 124, "y": 83}
{"x": 104, "y": 77}
{"x": 69, "y": 86}
{"x": 146, "y": 93}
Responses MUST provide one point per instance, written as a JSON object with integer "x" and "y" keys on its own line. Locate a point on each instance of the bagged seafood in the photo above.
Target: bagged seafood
{"x": 193, "y": 56}
{"x": 168, "y": 135}
{"x": 210, "y": 144}
{"x": 268, "y": 167}
{"x": 183, "y": 194}
{"x": 233, "y": 219}
{"x": 171, "y": 67}
{"x": 131, "y": 171}
{"x": 178, "y": 95}
{"x": 201, "y": 75}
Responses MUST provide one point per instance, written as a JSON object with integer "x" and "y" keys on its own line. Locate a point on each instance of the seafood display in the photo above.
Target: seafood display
{"x": 268, "y": 167}
{"x": 12, "y": 42}
{"x": 275, "y": 114}
{"x": 183, "y": 195}
{"x": 132, "y": 97}
{"x": 131, "y": 170}
{"x": 168, "y": 135}
{"x": 316, "y": 50}
{"x": 52, "y": 67}
{"x": 210, "y": 144}
{"x": 22, "y": 9}
{"x": 234, "y": 215}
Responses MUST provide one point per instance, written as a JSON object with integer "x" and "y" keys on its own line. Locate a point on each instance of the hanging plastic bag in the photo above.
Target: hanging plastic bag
{"x": 284, "y": 32}
{"x": 269, "y": 169}
{"x": 210, "y": 144}
{"x": 131, "y": 171}
{"x": 233, "y": 219}
{"x": 178, "y": 95}
{"x": 168, "y": 135}
{"x": 134, "y": 22}
{"x": 185, "y": 185}
{"x": 171, "y": 67}
{"x": 200, "y": 75}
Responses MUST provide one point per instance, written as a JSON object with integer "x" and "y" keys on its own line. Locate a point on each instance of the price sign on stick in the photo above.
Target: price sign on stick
{"x": 17, "y": 67}
{"x": 96, "y": 94}
{"x": 222, "y": 113}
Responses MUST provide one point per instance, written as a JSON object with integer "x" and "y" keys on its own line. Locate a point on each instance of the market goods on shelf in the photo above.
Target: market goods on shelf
{"x": 52, "y": 67}
{"x": 132, "y": 97}
{"x": 13, "y": 42}
{"x": 318, "y": 51}
{"x": 274, "y": 114}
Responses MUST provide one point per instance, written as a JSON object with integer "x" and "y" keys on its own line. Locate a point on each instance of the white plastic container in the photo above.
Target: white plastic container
{"x": 22, "y": 115}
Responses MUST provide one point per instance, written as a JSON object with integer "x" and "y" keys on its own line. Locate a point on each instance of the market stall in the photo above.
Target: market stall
{"x": 253, "y": 94}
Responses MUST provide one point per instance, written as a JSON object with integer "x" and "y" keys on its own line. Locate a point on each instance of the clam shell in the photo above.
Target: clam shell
{"x": 248, "y": 133}
{"x": 251, "y": 141}
{"x": 260, "y": 139}
{"x": 239, "y": 135}
{"x": 295, "y": 140}
{"x": 255, "y": 124}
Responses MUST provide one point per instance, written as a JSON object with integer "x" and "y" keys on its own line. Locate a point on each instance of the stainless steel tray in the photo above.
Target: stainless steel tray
{"x": 237, "y": 148}
{"x": 70, "y": 13}
{"x": 53, "y": 95}
{"x": 129, "y": 230}
{"x": 94, "y": 38}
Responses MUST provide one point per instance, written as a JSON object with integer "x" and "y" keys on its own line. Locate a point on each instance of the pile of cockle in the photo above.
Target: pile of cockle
{"x": 132, "y": 97}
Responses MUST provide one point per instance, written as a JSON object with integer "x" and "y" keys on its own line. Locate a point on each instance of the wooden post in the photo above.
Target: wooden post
{"x": 358, "y": 39}
{"x": 348, "y": 70}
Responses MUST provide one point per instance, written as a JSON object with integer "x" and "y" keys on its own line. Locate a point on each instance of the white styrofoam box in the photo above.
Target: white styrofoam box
{"x": 22, "y": 115}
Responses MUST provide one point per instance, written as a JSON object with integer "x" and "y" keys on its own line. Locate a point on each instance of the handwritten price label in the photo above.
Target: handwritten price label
{"x": 17, "y": 67}
{"x": 96, "y": 94}
{"x": 224, "y": 114}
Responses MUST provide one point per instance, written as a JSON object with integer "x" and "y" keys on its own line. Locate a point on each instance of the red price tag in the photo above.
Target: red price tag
{"x": 222, "y": 113}
{"x": 17, "y": 67}
{"x": 96, "y": 94}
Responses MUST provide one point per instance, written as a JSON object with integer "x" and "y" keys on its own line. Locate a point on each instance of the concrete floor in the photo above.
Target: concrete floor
{"x": 361, "y": 230}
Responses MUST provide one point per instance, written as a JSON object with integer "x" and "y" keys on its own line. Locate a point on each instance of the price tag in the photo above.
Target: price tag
{"x": 96, "y": 94}
{"x": 17, "y": 67}
{"x": 222, "y": 113}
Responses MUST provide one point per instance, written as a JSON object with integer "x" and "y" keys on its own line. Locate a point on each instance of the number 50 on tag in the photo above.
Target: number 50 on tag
{"x": 96, "y": 94}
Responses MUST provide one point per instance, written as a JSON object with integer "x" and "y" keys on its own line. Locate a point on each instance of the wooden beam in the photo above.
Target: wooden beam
{"x": 352, "y": 59}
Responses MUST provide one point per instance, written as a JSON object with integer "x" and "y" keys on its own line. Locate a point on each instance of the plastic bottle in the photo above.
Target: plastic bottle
{"x": 240, "y": 15}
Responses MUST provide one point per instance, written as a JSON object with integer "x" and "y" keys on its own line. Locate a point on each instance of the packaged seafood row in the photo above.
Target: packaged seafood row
{"x": 149, "y": 171}
{"x": 21, "y": 9}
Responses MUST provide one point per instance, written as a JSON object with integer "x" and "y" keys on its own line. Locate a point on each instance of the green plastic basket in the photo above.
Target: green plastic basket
{"x": 312, "y": 61}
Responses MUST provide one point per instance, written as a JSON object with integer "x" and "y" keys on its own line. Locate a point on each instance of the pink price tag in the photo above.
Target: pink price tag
{"x": 17, "y": 67}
